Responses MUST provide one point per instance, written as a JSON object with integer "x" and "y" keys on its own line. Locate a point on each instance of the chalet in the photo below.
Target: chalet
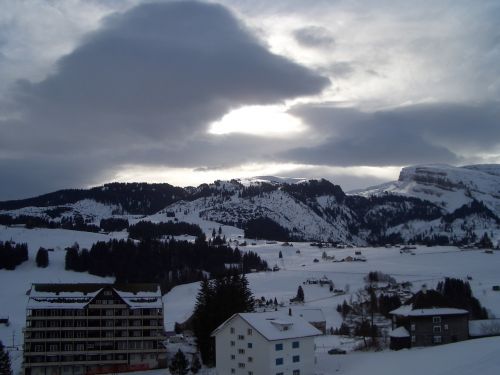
{"x": 265, "y": 343}
{"x": 74, "y": 329}
{"x": 420, "y": 323}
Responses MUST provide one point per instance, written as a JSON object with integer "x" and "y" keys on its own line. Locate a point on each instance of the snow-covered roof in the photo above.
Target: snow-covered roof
{"x": 400, "y": 332}
{"x": 77, "y": 296}
{"x": 407, "y": 310}
{"x": 271, "y": 325}
{"x": 484, "y": 327}
{"x": 310, "y": 315}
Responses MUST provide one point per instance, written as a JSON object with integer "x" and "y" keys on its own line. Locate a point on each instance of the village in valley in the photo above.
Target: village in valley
{"x": 318, "y": 307}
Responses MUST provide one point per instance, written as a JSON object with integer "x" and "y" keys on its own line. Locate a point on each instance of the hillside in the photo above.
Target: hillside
{"x": 430, "y": 204}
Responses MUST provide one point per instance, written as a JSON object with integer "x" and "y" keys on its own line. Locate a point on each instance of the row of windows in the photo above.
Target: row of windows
{"x": 295, "y": 359}
{"x": 295, "y": 372}
{"x": 249, "y": 344}
{"x": 435, "y": 329}
{"x": 279, "y": 346}
{"x": 241, "y": 337}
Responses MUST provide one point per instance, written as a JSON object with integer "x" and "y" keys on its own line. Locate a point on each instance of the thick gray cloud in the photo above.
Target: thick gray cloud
{"x": 433, "y": 133}
{"x": 150, "y": 79}
{"x": 314, "y": 36}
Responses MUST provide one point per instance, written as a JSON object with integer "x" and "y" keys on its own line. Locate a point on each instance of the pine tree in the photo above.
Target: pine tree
{"x": 196, "y": 364}
{"x": 42, "y": 257}
{"x": 179, "y": 364}
{"x": 300, "y": 294}
{"x": 280, "y": 255}
{"x": 217, "y": 301}
{"x": 5, "y": 368}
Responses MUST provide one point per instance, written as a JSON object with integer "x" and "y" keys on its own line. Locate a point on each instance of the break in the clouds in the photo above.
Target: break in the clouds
{"x": 347, "y": 90}
{"x": 148, "y": 80}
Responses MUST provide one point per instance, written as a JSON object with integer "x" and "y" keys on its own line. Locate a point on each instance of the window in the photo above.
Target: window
{"x": 232, "y": 343}
{"x": 437, "y": 339}
{"x": 295, "y": 344}
{"x": 278, "y": 347}
{"x": 249, "y": 345}
{"x": 413, "y": 339}
{"x": 249, "y": 332}
{"x": 241, "y": 337}
{"x": 446, "y": 326}
{"x": 241, "y": 351}
{"x": 250, "y": 372}
{"x": 233, "y": 356}
{"x": 296, "y": 358}
{"x": 241, "y": 365}
{"x": 232, "y": 330}
{"x": 108, "y": 293}
{"x": 436, "y": 329}
{"x": 296, "y": 372}
{"x": 436, "y": 319}
{"x": 279, "y": 361}
{"x": 250, "y": 359}
{"x": 233, "y": 371}
{"x": 279, "y": 373}
{"x": 413, "y": 327}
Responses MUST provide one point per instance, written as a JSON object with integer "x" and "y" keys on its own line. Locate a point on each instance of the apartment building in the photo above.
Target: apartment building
{"x": 265, "y": 343}
{"x": 77, "y": 329}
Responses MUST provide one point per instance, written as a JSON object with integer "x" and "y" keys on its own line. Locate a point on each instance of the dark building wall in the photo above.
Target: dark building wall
{"x": 428, "y": 329}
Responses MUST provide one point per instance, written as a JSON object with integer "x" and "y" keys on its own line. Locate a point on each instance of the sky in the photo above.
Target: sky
{"x": 187, "y": 92}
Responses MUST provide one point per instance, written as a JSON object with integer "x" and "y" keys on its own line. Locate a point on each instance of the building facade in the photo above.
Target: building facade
{"x": 430, "y": 326}
{"x": 262, "y": 343}
{"x": 76, "y": 329}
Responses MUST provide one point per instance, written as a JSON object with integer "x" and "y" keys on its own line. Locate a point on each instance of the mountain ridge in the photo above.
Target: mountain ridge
{"x": 428, "y": 203}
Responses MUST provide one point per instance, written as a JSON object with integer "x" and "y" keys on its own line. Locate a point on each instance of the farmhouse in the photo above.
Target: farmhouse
{"x": 76, "y": 329}
{"x": 421, "y": 324}
{"x": 265, "y": 343}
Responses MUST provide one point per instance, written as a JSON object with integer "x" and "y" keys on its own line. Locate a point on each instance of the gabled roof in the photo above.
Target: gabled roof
{"x": 409, "y": 311}
{"x": 271, "y": 325}
{"x": 77, "y": 296}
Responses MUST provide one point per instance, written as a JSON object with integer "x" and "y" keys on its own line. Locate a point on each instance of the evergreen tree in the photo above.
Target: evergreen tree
{"x": 217, "y": 301}
{"x": 280, "y": 255}
{"x": 42, "y": 257}
{"x": 300, "y": 294}
{"x": 5, "y": 367}
{"x": 179, "y": 364}
{"x": 195, "y": 364}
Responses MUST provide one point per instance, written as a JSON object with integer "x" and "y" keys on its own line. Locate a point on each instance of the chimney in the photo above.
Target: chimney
{"x": 424, "y": 289}
{"x": 290, "y": 311}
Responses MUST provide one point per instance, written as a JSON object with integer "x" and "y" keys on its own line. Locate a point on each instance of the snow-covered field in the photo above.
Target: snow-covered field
{"x": 428, "y": 265}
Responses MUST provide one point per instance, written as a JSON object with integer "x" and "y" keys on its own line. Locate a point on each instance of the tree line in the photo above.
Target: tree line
{"x": 12, "y": 254}
{"x": 147, "y": 230}
{"x": 168, "y": 263}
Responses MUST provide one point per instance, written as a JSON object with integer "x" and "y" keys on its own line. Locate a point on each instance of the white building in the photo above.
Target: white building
{"x": 265, "y": 344}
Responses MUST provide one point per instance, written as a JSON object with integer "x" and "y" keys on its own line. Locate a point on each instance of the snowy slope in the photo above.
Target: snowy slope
{"x": 448, "y": 187}
{"x": 226, "y": 204}
{"x": 90, "y": 210}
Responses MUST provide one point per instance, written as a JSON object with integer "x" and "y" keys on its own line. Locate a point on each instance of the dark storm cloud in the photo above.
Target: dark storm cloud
{"x": 314, "y": 36}
{"x": 151, "y": 78}
{"x": 431, "y": 133}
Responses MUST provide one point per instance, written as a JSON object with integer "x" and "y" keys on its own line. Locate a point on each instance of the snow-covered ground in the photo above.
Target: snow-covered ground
{"x": 428, "y": 265}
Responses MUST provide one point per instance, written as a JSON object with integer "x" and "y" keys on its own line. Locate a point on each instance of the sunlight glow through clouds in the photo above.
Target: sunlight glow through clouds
{"x": 195, "y": 177}
{"x": 270, "y": 120}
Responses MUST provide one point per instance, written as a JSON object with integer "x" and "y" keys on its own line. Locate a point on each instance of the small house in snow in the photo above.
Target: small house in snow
{"x": 265, "y": 343}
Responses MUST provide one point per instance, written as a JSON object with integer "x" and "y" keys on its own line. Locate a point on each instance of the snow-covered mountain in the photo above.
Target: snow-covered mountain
{"x": 428, "y": 204}
{"x": 446, "y": 186}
